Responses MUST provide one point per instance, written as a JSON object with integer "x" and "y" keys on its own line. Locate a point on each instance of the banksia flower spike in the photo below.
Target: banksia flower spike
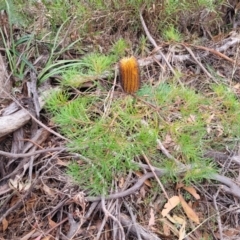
{"x": 129, "y": 74}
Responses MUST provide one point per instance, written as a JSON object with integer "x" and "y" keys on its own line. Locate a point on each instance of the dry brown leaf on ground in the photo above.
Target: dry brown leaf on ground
{"x": 172, "y": 203}
{"x": 48, "y": 190}
{"x": 28, "y": 235}
{"x": 48, "y": 238}
{"x": 182, "y": 231}
{"x": 166, "y": 229}
{"x": 62, "y": 163}
{"x": 51, "y": 223}
{"x": 192, "y": 191}
{"x": 121, "y": 182}
{"x": 168, "y": 142}
{"x": 4, "y": 224}
{"x": 191, "y": 118}
{"x": 188, "y": 210}
{"x": 151, "y": 221}
{"x": 147, "y": 182}
{"x": 179, "y": 220}
{"x": 171, "y": 226}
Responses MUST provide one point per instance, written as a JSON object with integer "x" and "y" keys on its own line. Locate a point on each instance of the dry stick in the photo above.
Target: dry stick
{"x": 133, "y": 219}
{"x": 168, "y": 155}
{"x": 235, "y": 63}
{"x": 109, "y": 97}
{"x": 19, "y": 203}
{"x": 36, "y": 120}
{"x": 156, "y": 46}
{"x": 100, "y": 229}
{"x": 213, "y": 51}
{"x": 153, "y": 171}
{"x": 129, "y": 191}
{"x": 199, "y": 63}
{"x": 218, "y": 214}
{"x": 144, "y": 233}
{"x": 107, "y": 213}
{"x": 22, "y": 155}
{"x": 229, "y": 186}
{"x": 26, "y": 195}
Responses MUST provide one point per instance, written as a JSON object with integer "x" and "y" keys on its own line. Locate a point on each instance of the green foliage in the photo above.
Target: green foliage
{"x": 132, "y": 126}
{"x": 17, "y": 61}
{"x": 172, "y": 34}
{"x": 87, "y": 69}
{"x": 110, "y": 142}
{"x": 13, "y": 16}
{"x": 74, "y": 170}
{"x": 143, "y": 46}
{"x": 96, "y": 63}
{"x": 229, "y": 107}
{"x": 56, "y": 7}
{"x": 119, "y": 48}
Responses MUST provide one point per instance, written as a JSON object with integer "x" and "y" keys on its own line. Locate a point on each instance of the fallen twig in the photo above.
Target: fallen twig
{"x": 218, "y": 215}
{"x": 156, "y": 46}
{"x": 23, "y": 155}
{"x": 108, "y": 214}
{"x": 199, "y": 63}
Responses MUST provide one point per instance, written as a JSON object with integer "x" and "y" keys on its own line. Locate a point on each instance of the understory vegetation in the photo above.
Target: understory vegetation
{"x": 180, "y": 126}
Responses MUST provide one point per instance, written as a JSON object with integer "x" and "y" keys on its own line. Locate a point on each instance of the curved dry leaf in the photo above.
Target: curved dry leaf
{"x": 147, "y": 182}
{"x": 179, "y": 220}
{"x": 172, "y": 203}
{"x": 193, "y": 192}
{"x": 188, "y": 210}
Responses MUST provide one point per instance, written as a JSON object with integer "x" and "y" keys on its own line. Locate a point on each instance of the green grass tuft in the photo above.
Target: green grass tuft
{"x": 132, "y": 126}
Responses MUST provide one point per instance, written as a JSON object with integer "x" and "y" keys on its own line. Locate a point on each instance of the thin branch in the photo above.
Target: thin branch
{"x": 155, "y": 175}
{"x": 108, "y": 214}
{"x": 199, "y": 63}
{"x": 156, "y": 46}
{"x": 218, "y": 215}
{"x": 36, "y": 120}
{"x": 23, "y": 155}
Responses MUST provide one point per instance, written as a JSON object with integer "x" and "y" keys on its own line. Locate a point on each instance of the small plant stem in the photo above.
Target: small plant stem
{"x": 109, "y": 98}
{"x": 167, "y": 154}
{"x": 107, "y": 213}
{"x": 218, "y": 214}
{"x": 155, "y": 175}
{"x": 199, "y": 63}
{"x": 156, "y": 46}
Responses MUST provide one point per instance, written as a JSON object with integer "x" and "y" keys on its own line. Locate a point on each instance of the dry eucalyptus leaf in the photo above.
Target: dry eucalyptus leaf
{"x": 4, "y": 224}
{"x": 48, "y": 190}
{"x": 193, "y": 192}
{"x": 172, "y": 203}
{"x": 51, "y": 223}
{"x": 147, "y": 182}
{"x": 182, "y": 231}
{"x": 179, "y": 220}
{"x": 28, "y": 235}
{"x": 188, "y": 210}
{"x": 152, "y": 218}
{"x": 166, "y": 229}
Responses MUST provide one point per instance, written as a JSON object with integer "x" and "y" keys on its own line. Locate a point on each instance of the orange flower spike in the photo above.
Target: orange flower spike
{"x": 129, "y": 74}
